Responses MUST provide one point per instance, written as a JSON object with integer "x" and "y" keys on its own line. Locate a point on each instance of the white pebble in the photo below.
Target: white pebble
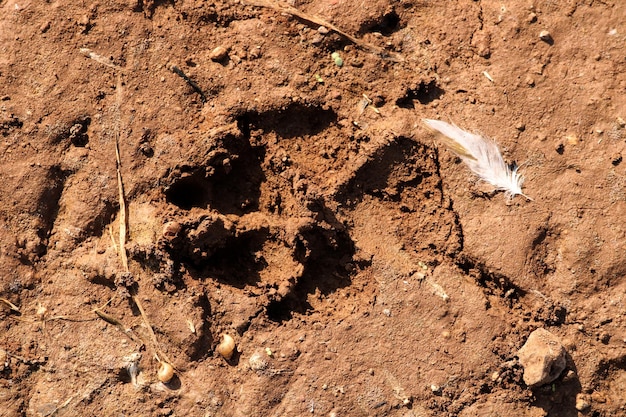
{"x": 544, "y": 35}
{"x": 258, "y": 361}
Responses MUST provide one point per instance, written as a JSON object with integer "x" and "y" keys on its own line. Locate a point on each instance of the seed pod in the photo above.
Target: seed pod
{"x": 166, "y": 372}
{"x": 227, "y": 347}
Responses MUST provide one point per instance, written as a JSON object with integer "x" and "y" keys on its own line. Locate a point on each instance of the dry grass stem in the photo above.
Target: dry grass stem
{"x": 100, "y": 59}
{"x": 124, "y": 223}
{"x": 10, "y": 305}
{"x": 112, "y": 320}
{"x": 284, "y": 8}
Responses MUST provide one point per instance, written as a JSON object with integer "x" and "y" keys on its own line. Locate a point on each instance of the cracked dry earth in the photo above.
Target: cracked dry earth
{"x": 300, "y": 206}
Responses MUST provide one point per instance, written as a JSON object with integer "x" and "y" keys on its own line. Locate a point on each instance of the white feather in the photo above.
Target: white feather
{"x": 482, "y": 156}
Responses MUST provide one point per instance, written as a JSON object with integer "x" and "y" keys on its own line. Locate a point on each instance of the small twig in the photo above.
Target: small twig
{"x": 115, "y": 322}
{"x": 398, "y": 391}
{"x": 283, "y": 8}
{"x": 144, "y": 316}
{"x": 11, "y": 305}
{"x": 120, "y": 184}
{"x": 189, "y": 81}
{"x": 112, "y": 238}
{"x": 99, "y": 58}
{"x": 67, "y": 318}
{"x": 60, "y": 407}
{"x": 123, "y": 217}
{"x": 438, "y": 290}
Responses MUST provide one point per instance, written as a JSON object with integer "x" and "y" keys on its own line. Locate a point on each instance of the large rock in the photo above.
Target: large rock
{"x": 543, "y": 358}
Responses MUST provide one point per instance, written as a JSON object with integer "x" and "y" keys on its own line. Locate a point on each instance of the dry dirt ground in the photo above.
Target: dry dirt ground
{"x": 359, "y": 266}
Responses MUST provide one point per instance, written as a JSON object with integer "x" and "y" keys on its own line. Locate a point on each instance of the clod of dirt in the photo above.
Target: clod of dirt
{"x": 543, "y": 358}
{"x": 211, "y": 233}
{"x": 7, "y": 123}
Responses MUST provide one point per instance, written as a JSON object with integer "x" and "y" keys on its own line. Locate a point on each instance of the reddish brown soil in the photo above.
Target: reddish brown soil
{"x": 273, "y": 205}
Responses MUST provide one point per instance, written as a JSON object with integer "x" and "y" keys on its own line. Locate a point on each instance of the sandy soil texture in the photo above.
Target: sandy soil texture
{"x": 280, "y": 188}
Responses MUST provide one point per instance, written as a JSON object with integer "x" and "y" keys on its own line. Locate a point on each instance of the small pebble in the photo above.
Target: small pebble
{"x": 218, "y": 54}
{"x": 317, "y": 39}
{"x": 323, "y": 30}
{"x": 545, "y": 36}
{"x": 581, "y": 402}
{"x": 44, "y": 27}
{"x": 542, "y": 357}
{"x": 572, "y": 139}
{"x": 435, "y": 388}
{"x": 482, "y": 42}
{"x": 616, "y": 158}
{"x": 258, "y": 361}
{"x": 41, "y": 311}
{"x": 171, "y": 230}
{"x": 570, "y": 376}
{"x": 255, "y": 53}
{"x": 84, "y": 20}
